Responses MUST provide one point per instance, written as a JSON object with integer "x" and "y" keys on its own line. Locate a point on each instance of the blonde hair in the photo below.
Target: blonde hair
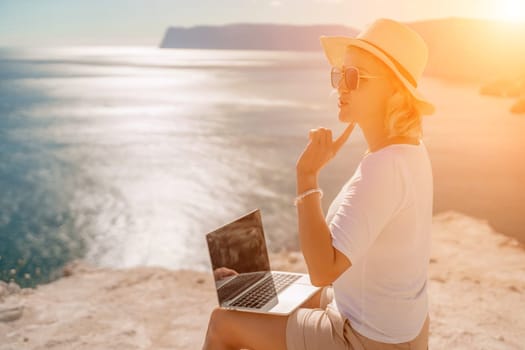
{"x": 403, "y": 117}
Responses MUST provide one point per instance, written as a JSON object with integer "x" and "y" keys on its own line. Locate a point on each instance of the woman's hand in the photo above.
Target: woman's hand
{"x": 223, "y": 272}
{"x": 321, "y": 149}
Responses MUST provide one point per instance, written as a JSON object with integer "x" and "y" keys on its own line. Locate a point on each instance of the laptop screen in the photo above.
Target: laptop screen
{"x": 238, "y": 248}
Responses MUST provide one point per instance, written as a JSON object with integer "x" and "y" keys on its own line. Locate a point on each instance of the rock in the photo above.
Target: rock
{"x": 519, "y": 106}
{"x": 10, "y": 313}
{"x": 13, "y": 288}
{"x": 75, "y": 267}
{"x": 502, "y": 88}
{"x": 3, "y": 290}
{"x": 68, "y": 270}
{"x": 27, "y": 291}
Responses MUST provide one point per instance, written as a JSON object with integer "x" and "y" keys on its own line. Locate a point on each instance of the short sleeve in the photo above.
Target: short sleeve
{"x": 370, "y": 200}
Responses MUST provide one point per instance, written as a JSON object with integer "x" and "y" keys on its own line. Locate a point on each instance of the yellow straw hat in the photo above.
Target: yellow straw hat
{"x": 399, "y": 47}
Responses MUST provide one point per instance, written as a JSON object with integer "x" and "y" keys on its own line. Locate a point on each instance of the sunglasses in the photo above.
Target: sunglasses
{"x": 349, "y": 75}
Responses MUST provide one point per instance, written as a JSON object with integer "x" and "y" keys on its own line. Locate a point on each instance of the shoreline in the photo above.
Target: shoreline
{"x": 154, "y": 307}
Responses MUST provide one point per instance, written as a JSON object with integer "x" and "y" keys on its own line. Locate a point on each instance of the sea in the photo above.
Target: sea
{"x": 128, "y": 156}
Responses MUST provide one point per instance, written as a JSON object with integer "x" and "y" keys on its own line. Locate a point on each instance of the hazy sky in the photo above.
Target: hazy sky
{"x": 143, "y": 22}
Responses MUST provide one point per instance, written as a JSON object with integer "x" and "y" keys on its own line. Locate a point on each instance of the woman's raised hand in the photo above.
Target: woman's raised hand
{"x": 321, "y": 149}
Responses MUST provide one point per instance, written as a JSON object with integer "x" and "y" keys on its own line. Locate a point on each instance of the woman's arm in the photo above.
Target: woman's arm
{"x": 324, "y": 262}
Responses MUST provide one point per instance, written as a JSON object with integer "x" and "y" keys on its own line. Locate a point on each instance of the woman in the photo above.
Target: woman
{"x": 371, "y": 252}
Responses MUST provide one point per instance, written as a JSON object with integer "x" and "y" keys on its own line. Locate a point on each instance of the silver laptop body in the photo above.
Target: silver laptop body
{"x": 242, "y": 274}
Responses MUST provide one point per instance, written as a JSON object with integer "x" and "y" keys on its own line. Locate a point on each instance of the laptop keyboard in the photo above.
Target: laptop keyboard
{"x": 235, "y": 286}
{"x": 266, "y": 290}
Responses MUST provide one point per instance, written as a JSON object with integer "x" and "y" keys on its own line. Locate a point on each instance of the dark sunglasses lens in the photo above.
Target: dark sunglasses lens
{"x": 351, "y": 78}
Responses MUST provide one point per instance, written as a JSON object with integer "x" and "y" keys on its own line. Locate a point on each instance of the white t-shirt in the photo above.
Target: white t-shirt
{"x": 381, "y": 220}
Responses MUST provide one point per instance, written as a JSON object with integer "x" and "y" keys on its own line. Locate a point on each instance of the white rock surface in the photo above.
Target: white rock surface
{"x": 477, "y": 299}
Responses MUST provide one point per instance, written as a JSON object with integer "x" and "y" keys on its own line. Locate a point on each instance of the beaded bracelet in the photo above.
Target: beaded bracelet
{"x": 304, "y": 194}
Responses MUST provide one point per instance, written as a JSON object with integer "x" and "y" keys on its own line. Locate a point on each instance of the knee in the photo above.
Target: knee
{"x": 217, "y": 326}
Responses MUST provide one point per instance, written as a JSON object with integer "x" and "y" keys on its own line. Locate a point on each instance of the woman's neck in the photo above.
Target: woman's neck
{"x": 377, "y": 139}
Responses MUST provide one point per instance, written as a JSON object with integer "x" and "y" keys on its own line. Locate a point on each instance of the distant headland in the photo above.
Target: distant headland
{"x": 246, "y": 36}
{"x": 481, "y": 51}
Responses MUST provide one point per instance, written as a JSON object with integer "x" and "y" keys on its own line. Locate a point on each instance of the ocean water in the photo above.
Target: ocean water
{"x": 127, "y": 156}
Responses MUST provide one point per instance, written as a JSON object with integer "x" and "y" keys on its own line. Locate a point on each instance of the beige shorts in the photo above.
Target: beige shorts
{"x": 326, "y": 328}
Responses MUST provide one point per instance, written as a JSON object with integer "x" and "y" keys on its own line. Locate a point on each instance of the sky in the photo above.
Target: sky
{"x": 143, "y": 22}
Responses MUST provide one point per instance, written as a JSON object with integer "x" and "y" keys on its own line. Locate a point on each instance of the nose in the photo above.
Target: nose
{"x": 341, "y": 85}
{"x": 341, "y": 88}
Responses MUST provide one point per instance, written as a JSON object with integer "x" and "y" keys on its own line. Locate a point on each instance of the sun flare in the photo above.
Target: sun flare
{"x": 511, "y": 10}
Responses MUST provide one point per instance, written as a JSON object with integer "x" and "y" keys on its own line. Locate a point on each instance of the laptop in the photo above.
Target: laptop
{"x": 241, "y": 268}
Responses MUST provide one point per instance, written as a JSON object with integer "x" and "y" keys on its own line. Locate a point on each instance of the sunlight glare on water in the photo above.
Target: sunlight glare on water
{"x": 142, "y": 151}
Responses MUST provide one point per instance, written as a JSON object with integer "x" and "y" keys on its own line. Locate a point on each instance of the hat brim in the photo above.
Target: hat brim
{"x": 334, "y": 49}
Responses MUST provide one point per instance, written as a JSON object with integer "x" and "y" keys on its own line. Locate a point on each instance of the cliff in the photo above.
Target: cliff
{"x": 476, "y": 292}
{"x": 460, "y": 49}
{"x": 251, "y": 37}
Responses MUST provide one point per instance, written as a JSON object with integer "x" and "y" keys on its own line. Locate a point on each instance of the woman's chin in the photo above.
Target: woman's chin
{"x": 344, "y": 117}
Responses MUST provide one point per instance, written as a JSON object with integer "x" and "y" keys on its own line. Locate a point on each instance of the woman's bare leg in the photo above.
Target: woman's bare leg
{"x": 237, "y": 330}
{"x": 229, "y": 330}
